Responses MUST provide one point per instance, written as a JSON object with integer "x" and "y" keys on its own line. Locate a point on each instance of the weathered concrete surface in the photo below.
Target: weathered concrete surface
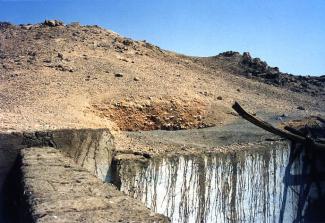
{"x": 91, "y": 148}
{"x": 57, "y": 190}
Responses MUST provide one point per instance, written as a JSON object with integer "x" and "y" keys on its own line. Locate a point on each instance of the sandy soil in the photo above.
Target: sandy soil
{"x": 89, "y": 77}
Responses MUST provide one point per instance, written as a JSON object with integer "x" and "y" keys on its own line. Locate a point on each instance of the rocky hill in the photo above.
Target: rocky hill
{"x": 256, "y": 69}
{"x": 71, "y": 76}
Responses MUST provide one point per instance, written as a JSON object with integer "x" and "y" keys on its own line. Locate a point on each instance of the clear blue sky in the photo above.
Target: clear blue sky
{"x": 289, "y": 34}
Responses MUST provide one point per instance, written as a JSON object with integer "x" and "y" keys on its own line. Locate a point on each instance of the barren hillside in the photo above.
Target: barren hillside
{"x": 56, "y": 76}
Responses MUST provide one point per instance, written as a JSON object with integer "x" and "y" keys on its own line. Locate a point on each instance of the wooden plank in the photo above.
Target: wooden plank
{"x": 268, "y": 127}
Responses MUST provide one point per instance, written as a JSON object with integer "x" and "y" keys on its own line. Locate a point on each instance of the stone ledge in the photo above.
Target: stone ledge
{"x": 92, "y": 149}
{"x": 58, "y": 190}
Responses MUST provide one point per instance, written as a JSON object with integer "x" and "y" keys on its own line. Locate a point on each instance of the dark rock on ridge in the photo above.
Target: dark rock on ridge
{"x": 5, "y": 24}
{"x": 254, "y": 68}
{"x": 53, "y": 23}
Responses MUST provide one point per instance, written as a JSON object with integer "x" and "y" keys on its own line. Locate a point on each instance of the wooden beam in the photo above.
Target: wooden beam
{"x": 268, "y": 127}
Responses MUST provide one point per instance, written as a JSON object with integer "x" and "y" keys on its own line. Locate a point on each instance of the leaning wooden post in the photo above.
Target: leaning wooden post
{"x": 268, "y": 127}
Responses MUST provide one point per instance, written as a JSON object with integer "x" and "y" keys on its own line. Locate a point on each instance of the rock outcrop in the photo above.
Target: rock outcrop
{"x": 53, "y": 23}
{"x": 255, "y": 68}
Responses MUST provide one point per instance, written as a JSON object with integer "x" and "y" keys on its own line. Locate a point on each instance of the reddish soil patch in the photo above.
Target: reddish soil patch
{"x": 146, "y": 115}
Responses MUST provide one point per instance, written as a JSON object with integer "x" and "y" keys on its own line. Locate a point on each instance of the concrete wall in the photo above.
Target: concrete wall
{"x": 93, "y": 149}
{"x": 52, "y": 188}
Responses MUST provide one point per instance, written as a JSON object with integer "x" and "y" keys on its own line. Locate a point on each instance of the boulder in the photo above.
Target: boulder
{"x": 229, "y": 54}
{"x": 272, "y": 75}
{"x": 118, "y": 75}
{"x": 247, "y": 57}
{"x": 5, "y": 24}
{"x": 60, "y": 55}
{"x": 74, "y": 24}
{"x": 127, "y": 42}
{"x": 53, "y": 23}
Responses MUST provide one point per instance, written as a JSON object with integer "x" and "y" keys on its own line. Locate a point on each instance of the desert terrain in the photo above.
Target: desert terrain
{"x": 77, "y": 101}
{"x": 56, "y": 76}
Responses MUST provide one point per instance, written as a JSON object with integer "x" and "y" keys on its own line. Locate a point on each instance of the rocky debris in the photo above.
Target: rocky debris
{"x": 124, "y": 59}
{"x": 118, "y": 75}
{"x": 255, "y": 64}
{"x": 120, "y": 48}
{"x": 106, "y": 45}
{"x": 5, "y": 24}
{"x": 205, "y": 93}
{"x": 53, "y": 23}
{"x": 122, "y": 45}
{"x": 60, "y": 56}
{"x": 127, "y": 42}
{"x": 57, "y": 190}
{"x": 28, "y": 26}
{"x": 47, "y": 60}
{"x": 229, "y": 54}
{"x": 32, "y": 53}
{"x": 153, "y": 114}
{"x": 314, "y": 126}
{"x": 284, "y": 115}
{"x": 87, "y": 78}
{"x": 61, "y": 67}
{"x": 246, "y": 56}
{"x": 74, "y": 24}
{"x": 255, "y": 68}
